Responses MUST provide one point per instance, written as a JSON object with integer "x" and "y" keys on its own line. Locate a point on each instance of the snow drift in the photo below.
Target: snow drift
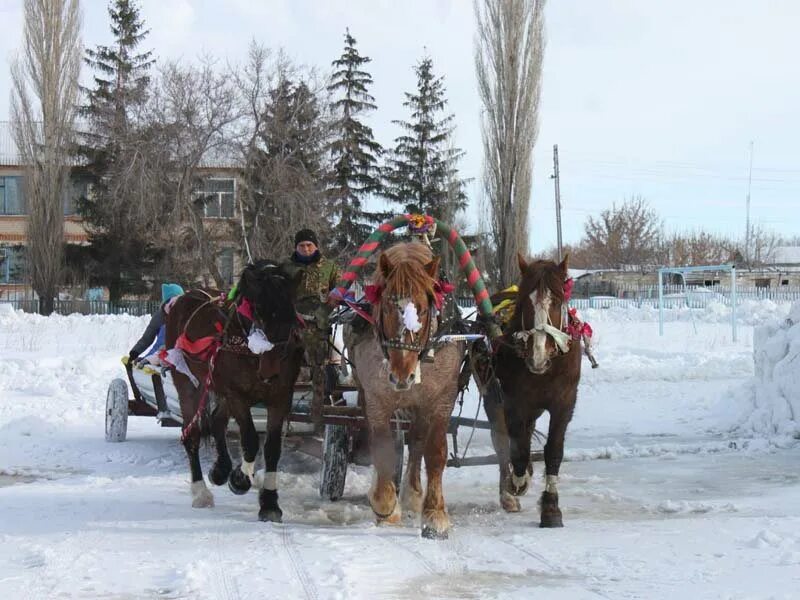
{"x": 775, "y": 390}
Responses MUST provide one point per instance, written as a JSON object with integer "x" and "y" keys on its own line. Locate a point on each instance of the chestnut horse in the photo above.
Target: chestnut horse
{"x": 239, "y": 378}
{"x": 387, "y": 361}
{"x": 538, "y": 367}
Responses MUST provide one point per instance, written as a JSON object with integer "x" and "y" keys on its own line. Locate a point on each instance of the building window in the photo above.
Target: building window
{"x": 12, "y": 264}
{"x": 11, "y": 200}
{"x": 784, "y": 282}
{"x": 225, "y": 265}
{"x": 217, "y": 196}
{"x": 762, "y": 283}
{"x": 73, "y": 192}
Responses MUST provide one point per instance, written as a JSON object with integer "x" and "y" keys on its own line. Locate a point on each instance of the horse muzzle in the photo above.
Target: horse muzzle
{"x": 403, "y": 384}
{"x": 538, "y": 370}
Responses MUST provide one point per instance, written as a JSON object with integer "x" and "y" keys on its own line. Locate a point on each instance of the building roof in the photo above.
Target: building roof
{"x": 786, "y": 255}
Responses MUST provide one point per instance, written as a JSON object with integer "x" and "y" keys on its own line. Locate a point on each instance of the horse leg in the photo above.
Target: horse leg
{"x": 268, "y": 496}
{"x": 243, "y": 476}
{"x": 189, "y": 399}
{"x": 435, "y": 521}
{"x": 500, "y": 442}
{"x": 201, "y": 495}
{"x": 411, "y": 495}
{"x": 222, "y": 466}
{"x": 382, "y": 494}
{"x": 520, "y": 430}
{"x": 553, "y": 454}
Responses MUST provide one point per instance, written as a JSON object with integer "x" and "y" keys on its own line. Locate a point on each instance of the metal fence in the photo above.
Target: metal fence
{"x": 90, "y": 307}
{"x": 674, "y": 297}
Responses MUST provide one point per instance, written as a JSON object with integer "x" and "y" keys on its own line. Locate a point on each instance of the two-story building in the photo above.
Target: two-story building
{"x": 217, "y": 186}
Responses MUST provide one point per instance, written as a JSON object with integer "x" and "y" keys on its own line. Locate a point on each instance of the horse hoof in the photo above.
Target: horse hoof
{"x": 510, "y": 503}
{"x": 518, "y": 486}
{"x": 238, "y": 482}
{"x": 219, "y": 473}
{"x": 393, "y": 518}
{"x": 551, "y": 521}
{"x": 551, "y": 514}
{"x": 201, "y": 496}
{"x": 270, "y": 515}
{"x": 430, "y": 533}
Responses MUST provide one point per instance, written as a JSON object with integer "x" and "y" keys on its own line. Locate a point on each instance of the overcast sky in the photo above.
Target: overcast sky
{"x": 644, "y": 97}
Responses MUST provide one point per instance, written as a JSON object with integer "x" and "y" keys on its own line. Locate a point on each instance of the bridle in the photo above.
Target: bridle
{"x": 561, "y": 339}
{"x": 420, "y": 345}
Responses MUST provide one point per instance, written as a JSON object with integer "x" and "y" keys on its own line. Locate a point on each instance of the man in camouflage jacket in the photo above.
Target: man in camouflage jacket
{"x": 319, "y": 276}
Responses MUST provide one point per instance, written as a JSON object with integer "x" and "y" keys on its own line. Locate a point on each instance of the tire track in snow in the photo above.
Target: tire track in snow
{"x": 224, "y": 587}
{"x": 426, "y": 564}
{"x": 535, "y": 555}
{"x": 300, "y": 571}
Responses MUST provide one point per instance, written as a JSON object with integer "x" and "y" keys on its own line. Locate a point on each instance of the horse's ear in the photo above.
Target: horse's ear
{"x": 384, "y": 266}
{"x": 564, "y": 266}
{"x": 522, "y": 264}
{"x": 432, "y": 268}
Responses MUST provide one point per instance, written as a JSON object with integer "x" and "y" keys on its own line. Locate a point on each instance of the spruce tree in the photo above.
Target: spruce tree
{"x": 422, "y": 171}
{"x": 355, "y": 174}
{"x": 284, "y": 176}
{"x": 116, "y": 147}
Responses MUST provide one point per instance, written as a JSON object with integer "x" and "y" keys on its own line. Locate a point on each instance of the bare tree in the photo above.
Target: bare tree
{"x": 509, "y": 50}
{"x": 762, "y": 245}
{"x": 698, "y": 248}
{"x": 43, "y": 107}
{"x": 626, "y": 236}
{"x": 195, "y": 107}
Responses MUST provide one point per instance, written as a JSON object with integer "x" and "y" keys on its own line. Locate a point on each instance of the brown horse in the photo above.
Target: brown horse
{"x": 391, "y": 374}
{"x": 538, "y": 368}
{"x": 239, "y": 378}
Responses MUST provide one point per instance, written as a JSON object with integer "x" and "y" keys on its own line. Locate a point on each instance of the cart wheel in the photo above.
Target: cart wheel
{"x": 335, "y": 448}
{"x": 399, "y": 449}
{"x": 117, "y": 411}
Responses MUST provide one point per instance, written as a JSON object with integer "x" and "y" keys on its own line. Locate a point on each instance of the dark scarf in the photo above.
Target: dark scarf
{"x": 306, "y": 260}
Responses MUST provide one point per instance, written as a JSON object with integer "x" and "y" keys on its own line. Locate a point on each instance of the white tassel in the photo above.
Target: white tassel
{"x": 411, "y": 318}
{"x": 258, "y": 342}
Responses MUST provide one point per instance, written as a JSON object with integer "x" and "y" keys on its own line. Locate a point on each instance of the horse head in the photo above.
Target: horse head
{"x": 540, "y": 316}
{"x": 405, "y": 309}
{"x": 271, "y": 292}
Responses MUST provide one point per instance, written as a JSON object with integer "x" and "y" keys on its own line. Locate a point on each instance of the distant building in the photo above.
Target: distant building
{"x": 218, "y": 186}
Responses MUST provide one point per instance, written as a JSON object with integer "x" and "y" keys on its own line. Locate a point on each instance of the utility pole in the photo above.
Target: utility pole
{"x": 747, "y": 222}
{"x": 558, "y": 199}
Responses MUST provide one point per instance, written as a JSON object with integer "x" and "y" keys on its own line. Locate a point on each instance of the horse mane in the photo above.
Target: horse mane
{"x": 408, "y": 274}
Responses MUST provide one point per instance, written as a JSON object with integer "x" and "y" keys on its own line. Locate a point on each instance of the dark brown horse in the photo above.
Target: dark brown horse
{"x": 538, "y": 367}
{"x": 387, "y": 360}
{"x": 214, "y": 333}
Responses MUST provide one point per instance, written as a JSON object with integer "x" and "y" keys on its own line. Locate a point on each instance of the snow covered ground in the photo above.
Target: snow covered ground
{"x": 680, "y": 484}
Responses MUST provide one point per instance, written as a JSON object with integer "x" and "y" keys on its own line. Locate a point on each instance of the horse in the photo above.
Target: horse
{"x": 392, "y": 375}
{"x": 212, "y": 334}
{"x": 537, "y": 366}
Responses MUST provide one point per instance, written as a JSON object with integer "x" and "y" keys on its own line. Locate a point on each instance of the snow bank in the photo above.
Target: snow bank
{"x": 773, "y": 396}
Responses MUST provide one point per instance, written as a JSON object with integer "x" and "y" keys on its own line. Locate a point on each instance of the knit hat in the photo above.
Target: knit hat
{"x": 170, "y": 290}
{"x": 305, "y": 235}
